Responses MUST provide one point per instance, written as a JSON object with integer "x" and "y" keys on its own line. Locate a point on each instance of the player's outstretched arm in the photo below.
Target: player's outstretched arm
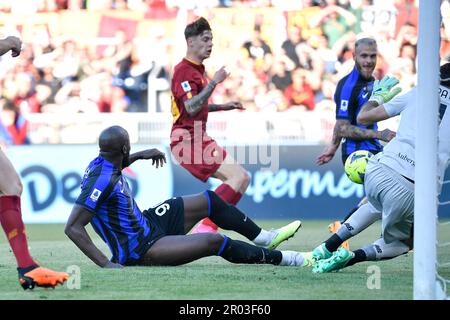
{"x": 76, "y": 231}
{"x": 232, "y": 105}
{"x": 327, "y": 154}
{"x": 330, "y": 150}
{"x": 158, "y": 157}
{"x": 10, "y": 43}
{"x": 344, "y": 129}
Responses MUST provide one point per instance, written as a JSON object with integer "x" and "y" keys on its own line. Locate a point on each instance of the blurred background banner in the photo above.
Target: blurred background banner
{"x": 51, "y": 177}
{"x": 285, "y": 182}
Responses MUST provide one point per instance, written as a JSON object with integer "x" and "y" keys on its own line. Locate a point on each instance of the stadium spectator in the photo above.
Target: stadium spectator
{"x": 334, "y": 22}
{"x": 300, "y": 93}
{"x": 389, "y": 179}
{"x": 294, "y": 38}
{"x": 60, "y": 59}
{"x": 280, "y": 77}
{"x": 158, "y": 236}
{"x": 14, "y": 123}
{"x": 133, "y": 79}
{"x": 407, "y": 14}
{"x": 256, "y": 48}
{"x": 70, "y": 99}
{"x": 25, "y": 96}
{"x": 112, "y": 98}
{"x": 31, "y": 274}
{"x": 445, "y": 30}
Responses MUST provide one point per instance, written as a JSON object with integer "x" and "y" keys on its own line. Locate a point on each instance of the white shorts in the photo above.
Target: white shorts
{"x": 393, "y": 195}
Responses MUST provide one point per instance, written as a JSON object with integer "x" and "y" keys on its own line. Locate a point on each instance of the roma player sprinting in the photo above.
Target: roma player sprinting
{"x": 190, "y": 145}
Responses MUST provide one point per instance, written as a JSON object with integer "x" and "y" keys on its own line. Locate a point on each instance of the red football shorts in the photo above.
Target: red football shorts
{"x": 202, "y": 160}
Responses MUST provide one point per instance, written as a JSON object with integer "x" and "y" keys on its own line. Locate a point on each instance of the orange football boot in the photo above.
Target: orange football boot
{"x": 333, "y": 228}
{"x": 41, "y": 277}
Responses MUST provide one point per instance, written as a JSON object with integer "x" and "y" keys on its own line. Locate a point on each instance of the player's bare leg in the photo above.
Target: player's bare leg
{"x": 235, "y": 181}
{"x": 235, "y": 176}
{"x": 10, "y": 182}
{"x": 30, "y": 273}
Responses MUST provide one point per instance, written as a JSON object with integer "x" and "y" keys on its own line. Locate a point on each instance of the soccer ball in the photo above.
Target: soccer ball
{"x": 355, "y": 165}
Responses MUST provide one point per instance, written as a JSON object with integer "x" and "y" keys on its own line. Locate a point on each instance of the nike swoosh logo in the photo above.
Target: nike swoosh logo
{"x": 365, "y": 95}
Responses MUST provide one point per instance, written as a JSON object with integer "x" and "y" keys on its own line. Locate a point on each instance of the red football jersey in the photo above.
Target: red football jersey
{"x": 188, "y": 80}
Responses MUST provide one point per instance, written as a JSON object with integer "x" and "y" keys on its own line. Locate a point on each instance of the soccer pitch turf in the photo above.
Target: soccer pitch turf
{"x": 211, "y": 278}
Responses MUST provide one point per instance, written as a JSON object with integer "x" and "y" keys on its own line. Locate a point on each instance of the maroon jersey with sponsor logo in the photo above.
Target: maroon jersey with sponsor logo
{"x": 188, "y": 80}
{"x": 191, "y": 147}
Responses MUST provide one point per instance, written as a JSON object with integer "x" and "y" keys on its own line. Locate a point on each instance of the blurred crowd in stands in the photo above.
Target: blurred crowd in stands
{"x": 60, "y": 75}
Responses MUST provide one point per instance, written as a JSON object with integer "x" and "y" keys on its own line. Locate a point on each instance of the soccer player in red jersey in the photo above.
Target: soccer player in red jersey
{"x": 30, "y": 273}
{"x": 190, "y": 145}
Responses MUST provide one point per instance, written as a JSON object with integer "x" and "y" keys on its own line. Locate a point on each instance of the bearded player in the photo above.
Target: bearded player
{"x": 190, "y": 145}
{"x": 30, "y": 273}
{"x": 351, "y": 93}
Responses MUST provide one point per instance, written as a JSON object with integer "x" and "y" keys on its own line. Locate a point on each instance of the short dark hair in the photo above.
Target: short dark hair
{"x": 196, "y": 28}
{"x": 445, "y": 74}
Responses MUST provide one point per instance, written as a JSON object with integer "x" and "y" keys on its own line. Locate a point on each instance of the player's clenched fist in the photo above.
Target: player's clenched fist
{"x": 220, "y": 75}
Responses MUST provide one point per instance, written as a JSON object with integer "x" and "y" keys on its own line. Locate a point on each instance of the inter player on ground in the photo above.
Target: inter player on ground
{"x": 157, "y": 236}
{"x": 389, "y": 179}
{"x": 352, "y": 92}
{"x": 30, "y": 273}
{"x": 190, "y": 145}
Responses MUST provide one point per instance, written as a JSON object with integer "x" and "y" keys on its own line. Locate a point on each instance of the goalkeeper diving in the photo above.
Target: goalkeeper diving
{"x": 389, "y": 178}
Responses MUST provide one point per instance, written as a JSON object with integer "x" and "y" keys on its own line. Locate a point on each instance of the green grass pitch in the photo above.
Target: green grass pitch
{"x": 210, "y": 278}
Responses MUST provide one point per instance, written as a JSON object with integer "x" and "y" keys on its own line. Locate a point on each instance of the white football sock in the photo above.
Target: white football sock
{"x": 264, "y": 238}
{"x": 291, "y": 258}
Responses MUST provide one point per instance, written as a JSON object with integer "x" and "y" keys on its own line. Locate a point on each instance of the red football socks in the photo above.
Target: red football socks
{"x": 228, "y": 194}
{"x": 11, "y": 221}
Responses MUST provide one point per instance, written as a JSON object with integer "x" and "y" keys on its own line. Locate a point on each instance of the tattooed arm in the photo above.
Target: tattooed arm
{"x": 194, "y": 105}
{"x": 343, "y": 129}
{"x": 226, "y": 106}
{"x": 331, "y": 149}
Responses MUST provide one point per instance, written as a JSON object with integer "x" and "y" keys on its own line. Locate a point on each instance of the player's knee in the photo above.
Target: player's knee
{"x": 14, "y": 188}
{"x": 214, "y": 241}
{"x": 240, "y": 180}
{"x": 245, "y": 180}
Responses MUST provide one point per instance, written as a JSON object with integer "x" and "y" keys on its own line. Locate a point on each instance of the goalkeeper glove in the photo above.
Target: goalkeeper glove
{"x": 382, "y": 92}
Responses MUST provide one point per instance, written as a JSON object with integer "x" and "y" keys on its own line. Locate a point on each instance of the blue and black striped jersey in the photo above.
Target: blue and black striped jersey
{"x": 352, "y": 92}
{"x": 117, "y": 218}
